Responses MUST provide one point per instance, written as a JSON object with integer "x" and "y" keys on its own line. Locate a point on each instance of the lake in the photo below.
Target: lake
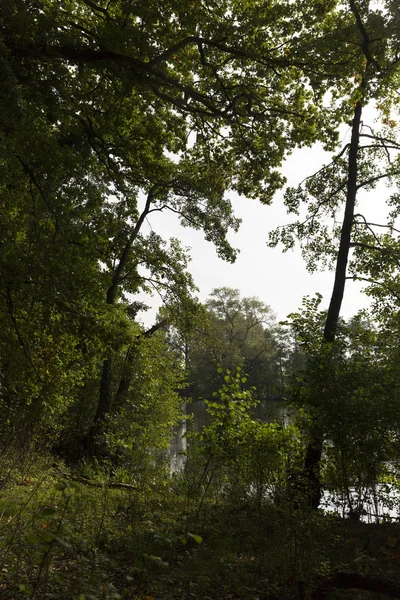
{"x": 195, "y": 417}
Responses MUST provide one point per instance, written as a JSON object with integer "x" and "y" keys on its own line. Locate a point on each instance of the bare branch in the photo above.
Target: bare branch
{"x": 374, "y": 282}
{"x": 149, "y": 332}
{"x": 334, "y": 161}
{"x": 368, "y": 224}
{"x": 380, "y": 138}
{"x": 177, "y": 212}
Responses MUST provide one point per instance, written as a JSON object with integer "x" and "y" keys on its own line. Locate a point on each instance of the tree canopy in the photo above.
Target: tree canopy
{"x": 112, "y": 111}
{"x": 232, "y": 332}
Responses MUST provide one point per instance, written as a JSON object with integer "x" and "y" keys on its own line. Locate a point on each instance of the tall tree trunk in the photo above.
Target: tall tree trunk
{"x": 312, "y": 462}
{"x": 127, "y": 372}
{"x": 345, "y": 237}
{"x": 105, "y": 402}
{"x": 103, "y": 407}
{"x": 315, "y": 447}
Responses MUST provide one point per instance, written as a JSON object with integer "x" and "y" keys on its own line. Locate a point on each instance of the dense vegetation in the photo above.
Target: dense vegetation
{"x": 112, "y": 111}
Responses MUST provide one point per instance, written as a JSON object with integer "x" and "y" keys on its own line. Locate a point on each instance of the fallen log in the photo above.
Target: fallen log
{"x": 355, "y": 581}
{"x": 99, "y": 484}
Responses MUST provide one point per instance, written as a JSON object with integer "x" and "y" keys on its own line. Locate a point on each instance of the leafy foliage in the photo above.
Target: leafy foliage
{"x": 350, "y": 391}
{"x": 245, "y": 455}
{"x": 231, "y": 332}
{"x": 120, "y": 111}
{"x": 111, "y": 112}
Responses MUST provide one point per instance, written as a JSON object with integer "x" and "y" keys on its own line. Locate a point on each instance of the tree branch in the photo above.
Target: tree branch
{"x": 369, "y": 224}
{"x": 112, "y": 290}
{"x": 19, "y": 336}
{"x": 362, "y": 245}
{"x": 376, "y": 178}
{"x": 32, "y": 177}
{"x": 99, "y": 9}
{"x": 143, "y": 71}
{"x": 374, "y": 282}
{"x": 381, "y": 139}
{"x": 365, "y": 36}
{"x": 149, "y": 332}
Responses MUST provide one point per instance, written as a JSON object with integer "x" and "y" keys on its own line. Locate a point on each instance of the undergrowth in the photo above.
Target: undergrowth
{"x": 63, "y": 539}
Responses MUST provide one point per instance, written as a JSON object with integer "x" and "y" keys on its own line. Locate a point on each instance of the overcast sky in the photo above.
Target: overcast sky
{"x": 279, "y": 279}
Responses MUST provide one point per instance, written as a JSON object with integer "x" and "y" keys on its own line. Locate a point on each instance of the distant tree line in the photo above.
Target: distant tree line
{"x": 230, "y": 332}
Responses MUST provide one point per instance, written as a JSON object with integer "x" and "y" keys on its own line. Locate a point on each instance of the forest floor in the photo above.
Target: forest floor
{"x": 71, "y": 541}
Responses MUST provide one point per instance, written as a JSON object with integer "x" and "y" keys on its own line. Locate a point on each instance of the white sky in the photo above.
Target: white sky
{"x": 278, "y": 279}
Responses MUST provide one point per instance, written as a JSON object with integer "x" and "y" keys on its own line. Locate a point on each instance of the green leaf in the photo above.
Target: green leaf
{"x": 156, "y": 559}
{"x": 197, "y": 538}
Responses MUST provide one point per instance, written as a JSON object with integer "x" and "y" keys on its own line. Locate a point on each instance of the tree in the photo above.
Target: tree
{"x": 369, "y": 42}
{"x": 245, "y": 455}
{"x": 114, "y": 111}
{"x": 231, "y": 332}
{"x": 350, "y": 392}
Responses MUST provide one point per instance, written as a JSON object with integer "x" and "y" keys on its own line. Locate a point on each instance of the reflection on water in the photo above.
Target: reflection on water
{"x": 195, "y": 417}
{"x": 378, "y": 503}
